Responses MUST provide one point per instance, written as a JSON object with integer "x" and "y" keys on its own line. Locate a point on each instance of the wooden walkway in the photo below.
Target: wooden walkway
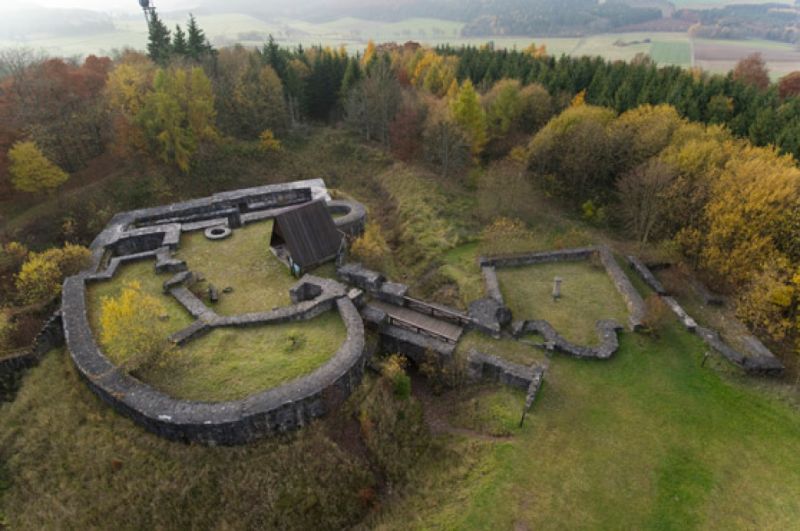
{"x": 421, "y": 322}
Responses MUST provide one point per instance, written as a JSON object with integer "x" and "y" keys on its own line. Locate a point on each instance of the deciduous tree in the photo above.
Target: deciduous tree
{"x": 31, "y": 171}
{"x": 752, "y": 70}
{"x": 641, "y": 196}
{"x": 132, "y": 328}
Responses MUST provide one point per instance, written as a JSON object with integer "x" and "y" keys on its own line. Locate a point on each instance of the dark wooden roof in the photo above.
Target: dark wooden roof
{"x": 309, "y": 233}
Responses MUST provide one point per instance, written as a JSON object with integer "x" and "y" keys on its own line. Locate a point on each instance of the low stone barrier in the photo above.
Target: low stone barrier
{"x": 646, "y": 275}
{"x": 606, "y": 328}
{"x": 633, "y": 300}
{"x": 488, "y": 367}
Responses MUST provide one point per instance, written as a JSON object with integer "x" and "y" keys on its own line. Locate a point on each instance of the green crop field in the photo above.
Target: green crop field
{"x": 671, "y": 53}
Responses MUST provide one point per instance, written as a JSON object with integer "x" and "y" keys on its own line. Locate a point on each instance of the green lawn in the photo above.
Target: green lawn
{"x": 671, "y": 53}
{"x": 646, "y": 440}
{"x": 143, "y": 272}
{"x": 587, "y": 294}
{"x": 242, "y": 261}
{"x": 233, "y": 363}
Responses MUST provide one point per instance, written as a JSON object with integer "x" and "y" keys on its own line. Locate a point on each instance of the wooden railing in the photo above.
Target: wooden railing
{"x": 402, "y": 323}
{"x": 437, "y": 311}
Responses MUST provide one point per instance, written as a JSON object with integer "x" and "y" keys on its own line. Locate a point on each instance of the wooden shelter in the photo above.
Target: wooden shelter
{"x": 305, "y": 236}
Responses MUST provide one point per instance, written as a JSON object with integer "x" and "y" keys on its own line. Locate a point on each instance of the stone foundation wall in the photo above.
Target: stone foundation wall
{"x": 606, "y": 329}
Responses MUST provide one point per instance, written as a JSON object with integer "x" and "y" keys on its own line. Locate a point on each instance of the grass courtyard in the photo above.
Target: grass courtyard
{"x": 233, "y": 363}
{"x": 243, "y": 262}
{"x": 587, "y": 294}
{"x": 229, "y": 363}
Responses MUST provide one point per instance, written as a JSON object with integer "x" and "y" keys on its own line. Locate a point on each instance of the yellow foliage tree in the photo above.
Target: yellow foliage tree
{"x": 579, "y": 99}
{"x": 268, "y": 142}
{"x": 371, "y": 247}
{"x": 31, "y": 171}
{"x": 749, "y": 204}
{"x": 39, "y": 280}
{"x": 132, "y": 329}
{"x": 469, "y": 115}
{"x": 537, "y": 52}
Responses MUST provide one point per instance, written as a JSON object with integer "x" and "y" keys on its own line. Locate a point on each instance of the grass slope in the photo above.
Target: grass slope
{"x": 647, "y": 440}
{"x": 69, "y": 461}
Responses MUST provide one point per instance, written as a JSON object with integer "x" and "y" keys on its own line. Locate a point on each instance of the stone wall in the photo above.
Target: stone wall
{"x": 606, "y": 329}
{"x": 761, "y": 360}
{"x": 633, "y": 300}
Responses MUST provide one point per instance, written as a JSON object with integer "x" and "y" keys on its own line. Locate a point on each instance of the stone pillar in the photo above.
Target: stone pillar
{"x": 556, "y": 288}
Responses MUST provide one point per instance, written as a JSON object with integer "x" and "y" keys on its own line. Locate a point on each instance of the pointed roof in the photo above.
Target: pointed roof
{"x": 309, "y": 233}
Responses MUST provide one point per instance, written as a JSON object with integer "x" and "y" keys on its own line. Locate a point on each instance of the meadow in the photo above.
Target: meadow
{"x": 352, "y": 33}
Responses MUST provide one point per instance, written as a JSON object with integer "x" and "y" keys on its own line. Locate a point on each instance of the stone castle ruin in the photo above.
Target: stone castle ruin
{"x": 305, "y": 234}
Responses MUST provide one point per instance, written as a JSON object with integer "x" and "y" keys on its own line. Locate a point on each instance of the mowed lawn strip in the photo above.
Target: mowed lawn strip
{"x": 233, "y": 363}
{"x": 243, "y": 262}
{"x": 587, "y": 294}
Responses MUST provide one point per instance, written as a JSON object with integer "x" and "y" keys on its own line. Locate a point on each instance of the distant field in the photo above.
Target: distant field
{"x": 353, "y": 33}
{"x": 671, "y": 53}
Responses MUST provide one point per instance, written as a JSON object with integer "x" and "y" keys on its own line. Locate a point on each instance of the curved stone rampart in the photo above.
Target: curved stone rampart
{"x": 606, "y": 329}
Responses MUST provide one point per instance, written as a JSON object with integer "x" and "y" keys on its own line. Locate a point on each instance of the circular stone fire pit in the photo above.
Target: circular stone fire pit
{"x": 217, "y": 233}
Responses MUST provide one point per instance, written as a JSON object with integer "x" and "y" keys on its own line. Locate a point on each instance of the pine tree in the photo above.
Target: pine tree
{"x": 179, "y": 45}
{"x": 351, "y": 76}
{"x": 196, "y": 42}
{"x": 158, "y": 44}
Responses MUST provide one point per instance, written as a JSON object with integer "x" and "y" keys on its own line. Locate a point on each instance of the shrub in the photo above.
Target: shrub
{"x": 394, "y": 370}
{"x": 656, "y": 313}
{"x": 504, "y": 236}
{"x": 133, "y": 329}
{"x": 268, "y": 142}
{"x": 39, "y": 280}
{"x": 6, "y": 330}
{"x": 371, "y": 247}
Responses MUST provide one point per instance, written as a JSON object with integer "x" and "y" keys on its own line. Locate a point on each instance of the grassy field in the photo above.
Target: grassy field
{"x": 646, "y": 440}
{"x": 671, "y": 53}
{"x": 587, "y": 294}
{"x": 233, "y": 363}
{"x": 260, "y": 281}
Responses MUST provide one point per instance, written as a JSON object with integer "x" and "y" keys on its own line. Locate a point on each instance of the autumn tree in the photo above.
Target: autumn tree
{"x": 641, "y": 133}
{"x": 126, "y": 91}
{"x": 445, "y": 142}
{"x": 178, "y": 114}
{"x": 371, "y": 248}
{"x": 752, "y": 70}
{"x": 132, "y": 328}
{"x": 756, "y": 194}
{"x": 31, "y": 171}
{"x": 571, "y": 156}
{"x": 789, "y": 85}
{"x": 406, "y": 129}
{"x": 641, "y": 197}
{"x": 258, "y": 102}
{"x": 372, "y": 104}
{"x": 469, "y": 115}
{"x": 40, "y": 277}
